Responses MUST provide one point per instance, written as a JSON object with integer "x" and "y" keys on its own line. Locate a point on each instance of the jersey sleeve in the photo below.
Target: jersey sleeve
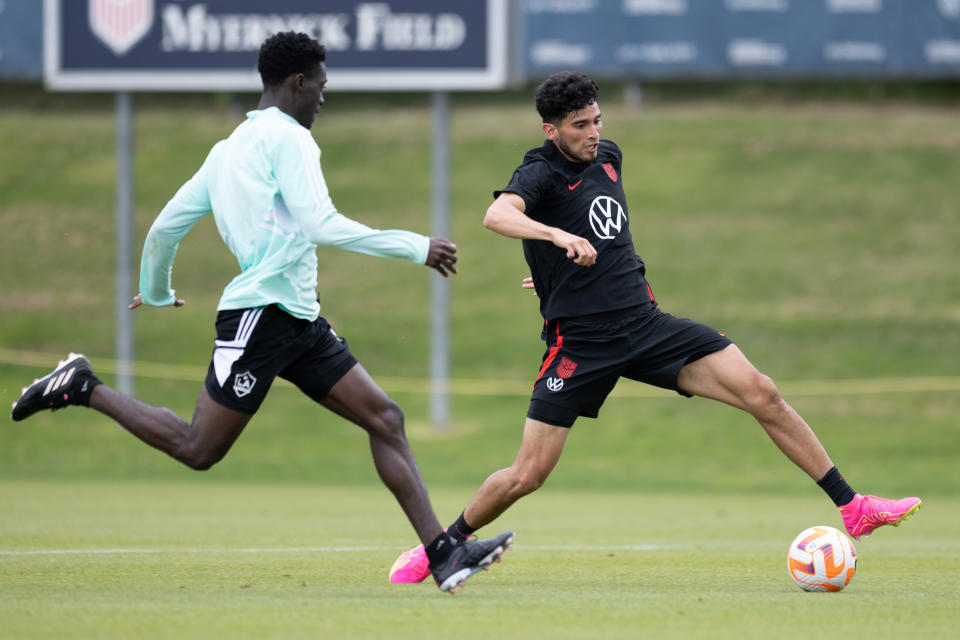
{"x": 304, "y": 191}
{"x": 610, "y": 152}
{"x": 189, "y": 204}
{"x": 530, "y": 181}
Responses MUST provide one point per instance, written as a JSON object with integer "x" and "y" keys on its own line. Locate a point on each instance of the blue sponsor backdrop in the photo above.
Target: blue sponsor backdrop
{"x": 609, "y": 38}
{"x": 21, "y": 39}
{"x": 753, "y": 38}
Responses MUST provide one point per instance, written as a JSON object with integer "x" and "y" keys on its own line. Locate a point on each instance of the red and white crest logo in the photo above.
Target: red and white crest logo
{"x": 566, "y": 368}
{"x": 611, "y": 172}
{"x": 120, "y": 24}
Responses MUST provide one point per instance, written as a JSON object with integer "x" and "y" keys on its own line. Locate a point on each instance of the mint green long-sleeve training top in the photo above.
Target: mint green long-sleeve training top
{"x": 268, "y": 196}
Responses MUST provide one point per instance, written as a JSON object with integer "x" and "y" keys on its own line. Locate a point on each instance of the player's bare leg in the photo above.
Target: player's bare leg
{"x": 199, "y": 444}
{"x": 729, "y": 377}
{"x": 359, "y": 399}
{"x": 539, "y": 452}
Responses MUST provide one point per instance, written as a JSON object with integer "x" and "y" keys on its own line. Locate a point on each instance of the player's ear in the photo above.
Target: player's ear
{"x": 550, "y": 130}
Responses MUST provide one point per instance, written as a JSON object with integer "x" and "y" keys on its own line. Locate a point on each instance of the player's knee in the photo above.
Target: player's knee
{"x": 387, "y": 422}
{"x": 198, "y": 459}
{"x": 527, "y": 481}
{"x": 763, "y": 394}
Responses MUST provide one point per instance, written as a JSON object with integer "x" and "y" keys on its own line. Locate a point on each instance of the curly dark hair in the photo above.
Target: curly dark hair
{"x": 288, "y": 52}
{"x": 564, "y": 92}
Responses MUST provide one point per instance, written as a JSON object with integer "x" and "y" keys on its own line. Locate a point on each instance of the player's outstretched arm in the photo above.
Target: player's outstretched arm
{"x": 138, "y": 300}
{"x": 507, "y": 216}
{"x": 442, "y": 256}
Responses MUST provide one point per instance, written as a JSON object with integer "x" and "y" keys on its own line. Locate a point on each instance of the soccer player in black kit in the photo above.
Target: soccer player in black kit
{"x": 602, "y": 322}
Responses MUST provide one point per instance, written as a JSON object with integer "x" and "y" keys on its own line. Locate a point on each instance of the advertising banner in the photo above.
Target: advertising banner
{"x": 204, "y": 45}
{"x": 749, "y": 38}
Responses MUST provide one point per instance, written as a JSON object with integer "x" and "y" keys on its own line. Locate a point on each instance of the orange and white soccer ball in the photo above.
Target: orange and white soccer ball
{"x": 822, "y": 559}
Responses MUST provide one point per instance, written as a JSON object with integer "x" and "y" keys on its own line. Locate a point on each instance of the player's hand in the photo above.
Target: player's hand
{"x": 578, "y": 249}
{"x": 527, "y": 283}
{"x": 442, "y": 256}
{"x": 138, "y": 300}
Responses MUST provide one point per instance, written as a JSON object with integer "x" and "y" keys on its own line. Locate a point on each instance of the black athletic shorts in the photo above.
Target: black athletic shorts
{"x": 254, "y": 346}
{"x": 586, "y": 357}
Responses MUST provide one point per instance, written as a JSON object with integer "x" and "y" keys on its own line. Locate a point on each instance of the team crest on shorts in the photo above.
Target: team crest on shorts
{"x": 554, "y": 384}
{"x": 243, "y": 383}
{"x": 566, "y": 368}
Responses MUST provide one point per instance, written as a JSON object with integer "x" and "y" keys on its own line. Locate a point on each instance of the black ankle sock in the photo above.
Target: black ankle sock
{"x": 84, "y": 388}
{"x": 836, "y": 487}
{"x": 439, "y": 549}
{"x": 460, "y": 529}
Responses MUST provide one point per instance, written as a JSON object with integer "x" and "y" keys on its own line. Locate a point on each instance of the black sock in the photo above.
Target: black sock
{"x": 439, "y": 549}
{"x": 836, "y": 487}
{"x": 84, "y": 388}
{"x": 460, "y": 529}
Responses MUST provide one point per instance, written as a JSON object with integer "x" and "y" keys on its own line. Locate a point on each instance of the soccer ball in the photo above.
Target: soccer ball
{"x": 822, "y": 559}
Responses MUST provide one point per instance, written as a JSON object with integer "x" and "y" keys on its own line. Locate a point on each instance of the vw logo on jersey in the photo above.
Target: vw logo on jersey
{"x": 606, "y": 214}
{"x": 554, "y": 384}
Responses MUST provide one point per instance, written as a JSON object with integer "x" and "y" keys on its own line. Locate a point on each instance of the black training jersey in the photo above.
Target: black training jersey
{"x": 585, "y": 199}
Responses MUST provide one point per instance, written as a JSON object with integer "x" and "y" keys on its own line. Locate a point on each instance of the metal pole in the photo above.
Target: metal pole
{"x": 439, "y": 286}
{"x": 124, "y": 243}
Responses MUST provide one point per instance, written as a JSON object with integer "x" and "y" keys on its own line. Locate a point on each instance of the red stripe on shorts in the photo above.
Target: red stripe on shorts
{"x": 551, "y": 355}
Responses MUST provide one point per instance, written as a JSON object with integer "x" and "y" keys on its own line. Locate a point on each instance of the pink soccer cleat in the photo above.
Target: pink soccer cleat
{"x": 411, "y": 566}
{"x": 863, "y": 514}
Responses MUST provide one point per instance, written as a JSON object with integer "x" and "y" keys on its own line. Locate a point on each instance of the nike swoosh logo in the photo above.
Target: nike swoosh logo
{"x": 575, "y": 184}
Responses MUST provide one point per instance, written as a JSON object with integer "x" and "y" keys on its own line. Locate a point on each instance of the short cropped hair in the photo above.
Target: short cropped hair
{"x": 563, "y": 93}
{"x": 285, "y": 53}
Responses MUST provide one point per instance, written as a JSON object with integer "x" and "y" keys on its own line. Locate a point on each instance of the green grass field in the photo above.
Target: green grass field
{"x": 154, "y": 560}
{"x": 822, "y": 238}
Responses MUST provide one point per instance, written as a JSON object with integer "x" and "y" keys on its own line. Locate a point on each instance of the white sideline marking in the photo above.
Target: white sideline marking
{"x": 61, "y": 552}
{"x": 64, "y": 552}
{"x": 593, "y": 547}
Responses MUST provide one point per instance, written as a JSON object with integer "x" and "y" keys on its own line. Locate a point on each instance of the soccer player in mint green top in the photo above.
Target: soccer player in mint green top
{"x": 266, "y": 191}
{"x": 272, "y": 208}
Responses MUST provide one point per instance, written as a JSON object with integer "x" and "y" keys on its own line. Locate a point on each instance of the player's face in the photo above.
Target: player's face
{"x": 310, "y": 95}
{"x": 578, "y": 134}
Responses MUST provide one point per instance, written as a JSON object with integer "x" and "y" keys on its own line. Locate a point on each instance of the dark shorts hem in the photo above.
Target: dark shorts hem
{"x": 317, "y": 387}
{"x": 719, "y": 345}
{"x": 552, "y": 414}
{"x": 217, "y": 395}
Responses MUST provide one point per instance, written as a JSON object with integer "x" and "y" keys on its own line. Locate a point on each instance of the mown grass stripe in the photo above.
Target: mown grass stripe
{"x": 254, "y": 550}
{"x": 488, "y": 387}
